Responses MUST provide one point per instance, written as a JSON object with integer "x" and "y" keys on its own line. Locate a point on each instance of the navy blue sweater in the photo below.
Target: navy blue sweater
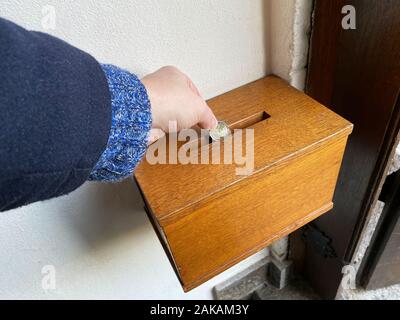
{"x": 58, "y": 124}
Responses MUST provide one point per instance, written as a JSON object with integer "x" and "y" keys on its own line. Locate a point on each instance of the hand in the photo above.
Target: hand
{"x": 174, "y": 97}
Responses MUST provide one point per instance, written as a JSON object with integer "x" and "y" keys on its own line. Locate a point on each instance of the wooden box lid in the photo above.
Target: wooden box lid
{"x": 297, "y": 124}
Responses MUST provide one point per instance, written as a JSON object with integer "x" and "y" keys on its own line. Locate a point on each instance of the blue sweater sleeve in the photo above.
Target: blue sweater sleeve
{"x": 130, "y": 126}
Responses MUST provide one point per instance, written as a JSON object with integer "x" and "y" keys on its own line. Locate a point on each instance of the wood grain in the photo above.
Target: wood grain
{"x": 296, "y": 123}
{"x": 210, "y": 218}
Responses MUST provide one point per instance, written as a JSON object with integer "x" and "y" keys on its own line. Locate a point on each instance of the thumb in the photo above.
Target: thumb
{"x": 207, "y": 119}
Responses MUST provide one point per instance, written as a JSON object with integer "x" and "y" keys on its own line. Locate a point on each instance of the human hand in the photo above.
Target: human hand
{"x": 174, "y": 97}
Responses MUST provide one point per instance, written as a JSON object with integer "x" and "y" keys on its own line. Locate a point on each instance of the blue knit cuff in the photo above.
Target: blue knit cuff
{"x": 130, "y": 126}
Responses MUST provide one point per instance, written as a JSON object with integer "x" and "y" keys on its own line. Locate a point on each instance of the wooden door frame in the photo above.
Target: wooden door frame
{"x": 337, "y": 58}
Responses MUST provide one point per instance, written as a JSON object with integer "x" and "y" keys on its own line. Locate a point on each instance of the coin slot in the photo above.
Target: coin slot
{"x": 247, "y": 122}
{"x": 244, "y": 123}
{"x": 250, "y": 121}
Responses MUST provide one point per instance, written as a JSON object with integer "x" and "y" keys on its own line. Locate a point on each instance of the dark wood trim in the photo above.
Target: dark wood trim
{"x": 356, "y": 73}
{"x": 377, "y": 178}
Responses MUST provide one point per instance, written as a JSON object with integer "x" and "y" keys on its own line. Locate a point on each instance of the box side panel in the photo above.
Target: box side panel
{"x": 248, "y": 216}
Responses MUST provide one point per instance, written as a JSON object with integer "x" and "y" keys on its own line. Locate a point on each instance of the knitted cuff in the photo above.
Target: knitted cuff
{"x": 130, "y": 126}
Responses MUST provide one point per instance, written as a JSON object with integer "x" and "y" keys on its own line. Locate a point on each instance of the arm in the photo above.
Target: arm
{"x": 55, "y": 116}
{"x": 65, "y": 118}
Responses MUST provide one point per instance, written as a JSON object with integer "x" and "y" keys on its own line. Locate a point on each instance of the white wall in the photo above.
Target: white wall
{"x": 289, "y": 28}
{"x": 220, "y": 43}
{"x": 98, "y": 237}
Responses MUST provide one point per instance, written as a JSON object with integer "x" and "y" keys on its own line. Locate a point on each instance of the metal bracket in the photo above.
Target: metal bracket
{"x": 319, "y": 241}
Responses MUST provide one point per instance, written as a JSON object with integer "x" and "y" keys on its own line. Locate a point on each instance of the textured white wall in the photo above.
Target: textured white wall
{"x": 221, "y": 44}
{"x": 289, "y": 29}
{"x": 98, "y": 237}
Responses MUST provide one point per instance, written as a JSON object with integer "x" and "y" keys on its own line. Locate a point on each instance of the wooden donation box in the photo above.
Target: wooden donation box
{"x": 208, "y": 217}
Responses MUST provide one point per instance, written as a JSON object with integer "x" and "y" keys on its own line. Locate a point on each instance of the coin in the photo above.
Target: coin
{"x": 220, "y": 131}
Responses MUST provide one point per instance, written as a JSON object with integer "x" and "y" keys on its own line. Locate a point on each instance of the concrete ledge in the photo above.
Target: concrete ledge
{"x": 242, "y": 285}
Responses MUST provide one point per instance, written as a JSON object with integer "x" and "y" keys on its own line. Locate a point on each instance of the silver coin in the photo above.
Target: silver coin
{"x": 220, "y": 131}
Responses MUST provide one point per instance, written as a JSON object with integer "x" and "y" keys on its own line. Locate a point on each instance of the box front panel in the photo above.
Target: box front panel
{"x": 253, "y": 213}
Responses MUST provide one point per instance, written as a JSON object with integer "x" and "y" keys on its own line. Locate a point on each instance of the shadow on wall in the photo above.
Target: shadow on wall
{"x": 266, "y": 21}
{"x": 108, "y": 212}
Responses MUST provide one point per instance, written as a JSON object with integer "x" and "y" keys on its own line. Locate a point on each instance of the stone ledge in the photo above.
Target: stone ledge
{"x": 395, "y": 165}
